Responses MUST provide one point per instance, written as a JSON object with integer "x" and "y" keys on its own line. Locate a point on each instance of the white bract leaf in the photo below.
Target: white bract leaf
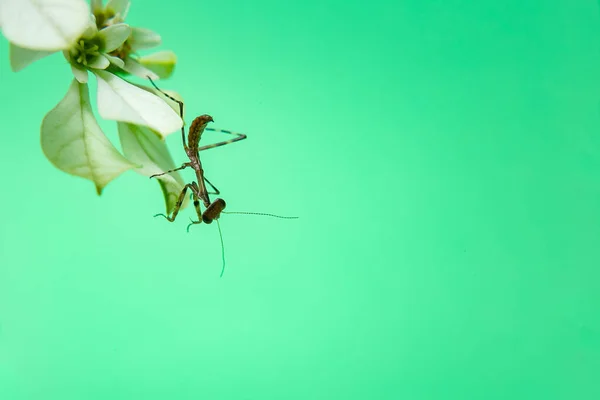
{"x": 96, "y": 6}
{"x": 99, "y": 62}
{"x": 144, "y": 147}
{"x": 91, "y": 30}
{"x": 113, "y": 36}
{"x": 80, "y": 74}
{"x": 21, "y": 57}
{"x": 161, "y": 63}
{"x": 43, "y": 24}
{"x": 134, "y": 68}
{"x": 143, "y": 39}
{"x": 115, "y": 60}
{"x": 121, "y": 101}
{"x": 119, "y": 7}
{"x": 173, "y": 104}
{"x": 73, "y": 141}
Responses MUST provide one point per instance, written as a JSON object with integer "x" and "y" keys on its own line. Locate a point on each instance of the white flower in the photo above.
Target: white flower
{"x": 92, "y": 49}
{"x": 96, "y": 40}
{"x": 155, "y": 65}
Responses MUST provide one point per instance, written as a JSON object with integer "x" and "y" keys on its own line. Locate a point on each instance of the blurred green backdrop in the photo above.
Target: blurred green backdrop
{"x": 443, "y": 157}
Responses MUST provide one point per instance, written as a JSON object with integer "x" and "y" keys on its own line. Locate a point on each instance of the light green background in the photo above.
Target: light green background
{"x": 443, "y": 157}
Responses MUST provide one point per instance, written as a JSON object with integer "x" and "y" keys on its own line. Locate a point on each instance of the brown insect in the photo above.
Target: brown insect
{"x": 192, "y": 148}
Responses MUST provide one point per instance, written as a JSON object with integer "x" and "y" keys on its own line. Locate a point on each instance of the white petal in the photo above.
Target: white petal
{"x": 67, "y": 55}
{"x": 96, "y": 6}
{"x": 143, "y": 146}
{"x": 134, "y": 68}
{"x": 99, "y": 62}
{"x": 114, "y": 36}
{"x": 21, "y": 57}
{"x": 80, "y": 74}
{"x": 74, "y": 143}
{"x": 43, "y": 24}
{"x": 115, "y": 60}
{"x": 174, "y": 105}
{"x": 91, "y": 30}
{"x": 143, "y": 39}
{"x": 120, "y": 7}
{"x": 121, "y": 101}
{"x": 162, "y": 63}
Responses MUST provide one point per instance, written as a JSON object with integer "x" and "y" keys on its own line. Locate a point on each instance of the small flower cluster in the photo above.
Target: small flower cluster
{"x": 95, "y": 39}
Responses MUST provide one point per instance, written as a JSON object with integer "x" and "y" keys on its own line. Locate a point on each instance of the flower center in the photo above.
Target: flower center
{"x": 83, "y": 51}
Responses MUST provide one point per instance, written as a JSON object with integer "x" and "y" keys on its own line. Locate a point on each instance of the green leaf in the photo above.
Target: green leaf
{"x": 75, "y": 144}
{"x": 162, "y": 63}
{"x": 43, "y": 24}
{"x": 121, "y": 101}
{"x": 144, "y": 147}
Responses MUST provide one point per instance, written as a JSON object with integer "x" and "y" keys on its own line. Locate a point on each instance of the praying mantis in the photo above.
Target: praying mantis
{"x": 198, "y": 188}
{"x": 192, "y": 149}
